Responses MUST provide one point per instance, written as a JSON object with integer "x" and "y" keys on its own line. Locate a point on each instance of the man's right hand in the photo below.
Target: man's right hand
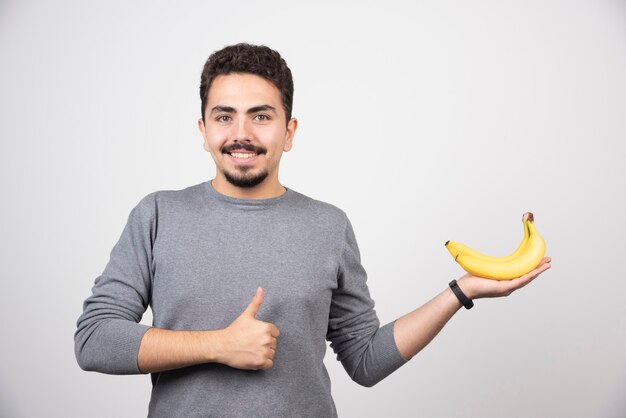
{"x": 248, "y": 343}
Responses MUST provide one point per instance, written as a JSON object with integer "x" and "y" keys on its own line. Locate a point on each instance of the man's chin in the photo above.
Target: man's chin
{"x": 245, "y": 180}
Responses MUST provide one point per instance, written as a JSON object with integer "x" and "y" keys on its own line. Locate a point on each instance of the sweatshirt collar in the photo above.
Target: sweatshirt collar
{"x": 252, "y": 203}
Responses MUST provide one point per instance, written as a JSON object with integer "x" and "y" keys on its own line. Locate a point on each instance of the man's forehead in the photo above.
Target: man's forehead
{"x": 241, "y": 85}
{"x": 239, "y": 92}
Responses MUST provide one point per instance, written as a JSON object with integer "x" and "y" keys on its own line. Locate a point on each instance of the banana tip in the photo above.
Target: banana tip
{"x": 446, "y": 244}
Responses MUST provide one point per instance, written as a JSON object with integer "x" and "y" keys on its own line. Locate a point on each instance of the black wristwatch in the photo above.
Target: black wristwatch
{"x": 467, "y": 302}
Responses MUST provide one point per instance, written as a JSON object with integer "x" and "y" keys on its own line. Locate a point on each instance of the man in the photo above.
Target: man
{"x": 197, "y": 255}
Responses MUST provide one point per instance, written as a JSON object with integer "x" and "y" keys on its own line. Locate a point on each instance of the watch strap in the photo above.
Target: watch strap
{"x": 467, "y": 302}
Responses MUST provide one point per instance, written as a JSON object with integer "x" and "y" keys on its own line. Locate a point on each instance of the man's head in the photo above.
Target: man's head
{"x": 249, "y": 59}
{"x": 246, "y": 119}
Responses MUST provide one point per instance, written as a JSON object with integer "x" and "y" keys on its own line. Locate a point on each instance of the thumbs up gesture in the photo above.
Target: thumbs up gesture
{"x": 247, "y": 342}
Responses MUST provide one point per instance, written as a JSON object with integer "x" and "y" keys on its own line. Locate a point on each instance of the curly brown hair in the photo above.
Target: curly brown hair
{"x": 251, "y": 59}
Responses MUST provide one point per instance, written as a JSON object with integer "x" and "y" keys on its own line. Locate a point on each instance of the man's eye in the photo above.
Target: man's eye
{"x": 223, "y": 118}
{"x": 262, "y": 118}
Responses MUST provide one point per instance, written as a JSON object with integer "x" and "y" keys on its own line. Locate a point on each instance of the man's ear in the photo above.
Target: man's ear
{"x": 201, "y": 126}
{"x": 292, "y": 126}
{"x": 202, "y": 130}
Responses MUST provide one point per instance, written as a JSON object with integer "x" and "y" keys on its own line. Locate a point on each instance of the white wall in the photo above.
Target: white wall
{"x": 427, "y": 122}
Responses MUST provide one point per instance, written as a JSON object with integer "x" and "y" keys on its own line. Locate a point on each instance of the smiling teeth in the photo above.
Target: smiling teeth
{"x": 242, "y": 155}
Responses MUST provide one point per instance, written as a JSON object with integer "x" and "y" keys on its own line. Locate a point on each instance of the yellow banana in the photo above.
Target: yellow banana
{"x": 456, "y": 248}
{"x": 525, "y": 258}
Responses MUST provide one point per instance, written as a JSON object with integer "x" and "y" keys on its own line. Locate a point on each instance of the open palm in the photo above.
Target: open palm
{"x": 477, "y": 287}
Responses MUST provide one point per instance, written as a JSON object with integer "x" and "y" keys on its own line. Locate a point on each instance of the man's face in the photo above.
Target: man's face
{"x": 245, "y": 130}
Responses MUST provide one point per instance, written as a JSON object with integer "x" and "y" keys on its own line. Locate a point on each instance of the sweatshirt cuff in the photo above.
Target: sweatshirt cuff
{"x": 120, "y": 354}
{"x": 389, "y": 350}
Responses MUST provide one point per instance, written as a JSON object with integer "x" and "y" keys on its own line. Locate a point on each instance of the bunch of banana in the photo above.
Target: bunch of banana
{"x": 525, "y": 258}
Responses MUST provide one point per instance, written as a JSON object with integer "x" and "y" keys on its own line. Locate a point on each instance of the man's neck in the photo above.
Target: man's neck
{"x": 265, "y": 190}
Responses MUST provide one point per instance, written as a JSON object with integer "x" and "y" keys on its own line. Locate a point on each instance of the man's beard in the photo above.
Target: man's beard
{"x": 244, "y": 179}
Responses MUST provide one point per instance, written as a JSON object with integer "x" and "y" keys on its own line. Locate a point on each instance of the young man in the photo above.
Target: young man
{"x": 196, "y": 257}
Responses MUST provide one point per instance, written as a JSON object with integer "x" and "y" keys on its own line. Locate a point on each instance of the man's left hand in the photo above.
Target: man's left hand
{"x": 478, "y": 287}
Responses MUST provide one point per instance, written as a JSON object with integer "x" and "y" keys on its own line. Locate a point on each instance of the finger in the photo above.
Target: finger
{"x": 543, "y": 264}
{"x": 255, "y": 304}
{"x": 545, "y": 260}
{"x": 269, "y": 363}
{"x": 531, "y": 275}
{"x": 271, "y": 353}
{"x": 274, "y": 332}
{"x": 520, "y": 282}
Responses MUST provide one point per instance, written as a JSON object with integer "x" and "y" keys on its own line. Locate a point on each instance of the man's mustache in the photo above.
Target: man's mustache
{"x": 242, "y": 146}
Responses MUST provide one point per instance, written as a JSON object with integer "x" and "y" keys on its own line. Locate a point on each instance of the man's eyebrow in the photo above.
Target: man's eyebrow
{"x": 254, "y": 109}
{"x": 225, "y": 109}
{"x": 261, "y": 108}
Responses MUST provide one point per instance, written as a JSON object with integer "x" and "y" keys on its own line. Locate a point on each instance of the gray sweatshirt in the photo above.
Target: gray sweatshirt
{"x": 196, "y": 258}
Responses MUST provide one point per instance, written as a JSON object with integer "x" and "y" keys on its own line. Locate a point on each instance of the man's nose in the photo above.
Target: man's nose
{"x": 242, "y": 130}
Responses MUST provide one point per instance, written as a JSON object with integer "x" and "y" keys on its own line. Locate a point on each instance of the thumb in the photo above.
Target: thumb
{"x": 255, "y": 304}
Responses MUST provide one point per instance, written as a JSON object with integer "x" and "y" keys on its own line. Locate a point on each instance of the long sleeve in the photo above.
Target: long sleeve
{"x": 108, "y": 332}
{"x": 367, "y": 351}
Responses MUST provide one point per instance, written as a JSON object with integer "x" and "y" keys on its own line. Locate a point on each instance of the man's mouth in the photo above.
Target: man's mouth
{"x": 243, "y": 155}
{"x": 242, "y": 150}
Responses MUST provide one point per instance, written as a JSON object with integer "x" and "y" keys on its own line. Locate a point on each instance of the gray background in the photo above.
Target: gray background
{"x": 426, "y": 122}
